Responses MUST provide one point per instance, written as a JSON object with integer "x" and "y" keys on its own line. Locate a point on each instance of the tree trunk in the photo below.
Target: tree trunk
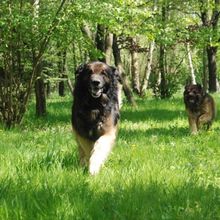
{"x": 74, "y": 56}
{"x": 48, "y": 89}
{"x": 39, "y": 83}
{"x": 147, "y": 72}
{"x": 134, "y": 70}
{"x": 62, "y": 72}
{"x": 100, "y": 41}
{"x": 193, "y": 77}
{"x": 40, "y": 94}
{"x": 70, "y": 85}
{"x": 162, "y": 60}
{"x": 118, "y": 64}
{"x": 212, "y": 67}
{"x": 163, "y": 84}
{"x": 38, "y": 59}
{"x": 212, "y": 24}
{"x": 16, "y": 87}
{"x": 90, "y": 39}
{"x": 61, "y": 88}
{"x": 204, "y": 70}
{"x": 40, "y": 97}
{"x": 108, "y": 47}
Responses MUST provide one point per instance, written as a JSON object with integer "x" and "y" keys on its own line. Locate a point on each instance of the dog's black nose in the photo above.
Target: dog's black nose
{"x": 96, "y": 82}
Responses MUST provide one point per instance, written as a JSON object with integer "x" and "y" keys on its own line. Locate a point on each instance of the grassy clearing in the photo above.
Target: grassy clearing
{"x": 156, "y": 171}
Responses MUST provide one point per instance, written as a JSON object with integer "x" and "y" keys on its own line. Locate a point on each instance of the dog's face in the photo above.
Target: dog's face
{"x": 193, "y": 94}
{"x": 96, "y": 77}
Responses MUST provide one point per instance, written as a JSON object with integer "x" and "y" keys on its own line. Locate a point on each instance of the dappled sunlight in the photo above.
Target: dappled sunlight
{"x": 151, "y": 114}
{"x": 59, "y": 113}
{"x": 156, "y": 170}
{"x": 149, "y": 53}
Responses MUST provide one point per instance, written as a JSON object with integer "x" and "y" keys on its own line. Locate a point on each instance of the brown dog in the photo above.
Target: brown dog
{"x": 200, "y": 107}
{"x": 95, "y": 113}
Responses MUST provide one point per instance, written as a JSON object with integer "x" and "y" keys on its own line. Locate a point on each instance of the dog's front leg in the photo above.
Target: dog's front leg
{"x": 100, "y": 152}
{"x": 193, "y": 124}
{"x": 85, "y": 147}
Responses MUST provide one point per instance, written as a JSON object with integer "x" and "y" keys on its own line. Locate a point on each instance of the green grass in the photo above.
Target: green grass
{"x": 156, "y": 170}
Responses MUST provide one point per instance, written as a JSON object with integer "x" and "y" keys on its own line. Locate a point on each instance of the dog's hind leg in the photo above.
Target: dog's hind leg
{"x": 205, "y": 119}
{"x": 100, "y": 152}
{"x": 209, "y": 113}
{"x": 83, "y": 161}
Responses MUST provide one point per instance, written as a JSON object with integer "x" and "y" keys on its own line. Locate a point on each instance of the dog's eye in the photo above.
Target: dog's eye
{"x": 104, "y": 73}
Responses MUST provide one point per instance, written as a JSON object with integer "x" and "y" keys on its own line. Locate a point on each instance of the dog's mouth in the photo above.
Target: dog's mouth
{"x": 96, "y": 92}
{"x": 191, "y": 99}
{"x": 96, "y": 85}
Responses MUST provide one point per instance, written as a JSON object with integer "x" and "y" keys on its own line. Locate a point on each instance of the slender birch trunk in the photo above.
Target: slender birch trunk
{"x": 118, "y": 63}
{"x": 147, "y": 72}
{"x": 135, "y": 70}
{"x": 108, "y": 47}
{"x": 192, "y": 72}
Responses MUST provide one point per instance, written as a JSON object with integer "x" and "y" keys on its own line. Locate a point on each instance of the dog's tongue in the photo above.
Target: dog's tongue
{"x": 97, "y": 94}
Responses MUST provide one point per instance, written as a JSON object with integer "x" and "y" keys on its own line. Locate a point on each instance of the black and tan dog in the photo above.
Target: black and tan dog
{"x": 200, "y": 107}
{"x": 95, "y": 113}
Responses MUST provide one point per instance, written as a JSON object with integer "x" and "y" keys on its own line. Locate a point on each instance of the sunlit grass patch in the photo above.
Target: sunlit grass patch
{"x": 157, "y": 170}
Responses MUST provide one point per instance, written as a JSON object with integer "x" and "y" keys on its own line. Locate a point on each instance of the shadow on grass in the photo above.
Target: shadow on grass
{"x": 53, "y": 159}
{"x": 175, "y": 132}
{"x": 151, "y": 114}
{"x": 156, "y": 201}
{"x": 58, "y": 112}
{"x": 77, "y": 200}
{"x": 158, "y": 110}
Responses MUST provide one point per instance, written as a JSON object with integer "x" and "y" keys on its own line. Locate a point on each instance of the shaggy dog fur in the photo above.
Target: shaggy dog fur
{"x": 95, "y": 113}
{"x": 200, "y": 107}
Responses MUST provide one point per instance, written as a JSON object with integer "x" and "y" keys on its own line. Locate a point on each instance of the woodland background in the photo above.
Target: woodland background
{"x": 157, "y": 170}
{"x": 158, "y": 46}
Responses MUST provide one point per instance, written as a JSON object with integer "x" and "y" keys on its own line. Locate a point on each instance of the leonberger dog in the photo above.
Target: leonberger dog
{"x": 95, "y": 112}
{"x": 200, "y": 107}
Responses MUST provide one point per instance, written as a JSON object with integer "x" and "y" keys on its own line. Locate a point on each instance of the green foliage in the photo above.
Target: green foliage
{"x": 23, "y": 31}
{"x": 156, "y": 170}
{"x": 172, "y": 85}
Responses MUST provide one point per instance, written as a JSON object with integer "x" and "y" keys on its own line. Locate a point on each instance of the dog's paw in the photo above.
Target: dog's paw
{"x": 94, "y": 169}
{"x": 194, "y": 132}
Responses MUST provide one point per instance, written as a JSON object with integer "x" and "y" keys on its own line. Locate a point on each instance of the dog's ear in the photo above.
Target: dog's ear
{"x": 188, "y": 83}
{"x": 117, "y": 74}
{"x": 186, "y": 86}
{"x": 79, "y": 69}
{"x": 199, "y": 86}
